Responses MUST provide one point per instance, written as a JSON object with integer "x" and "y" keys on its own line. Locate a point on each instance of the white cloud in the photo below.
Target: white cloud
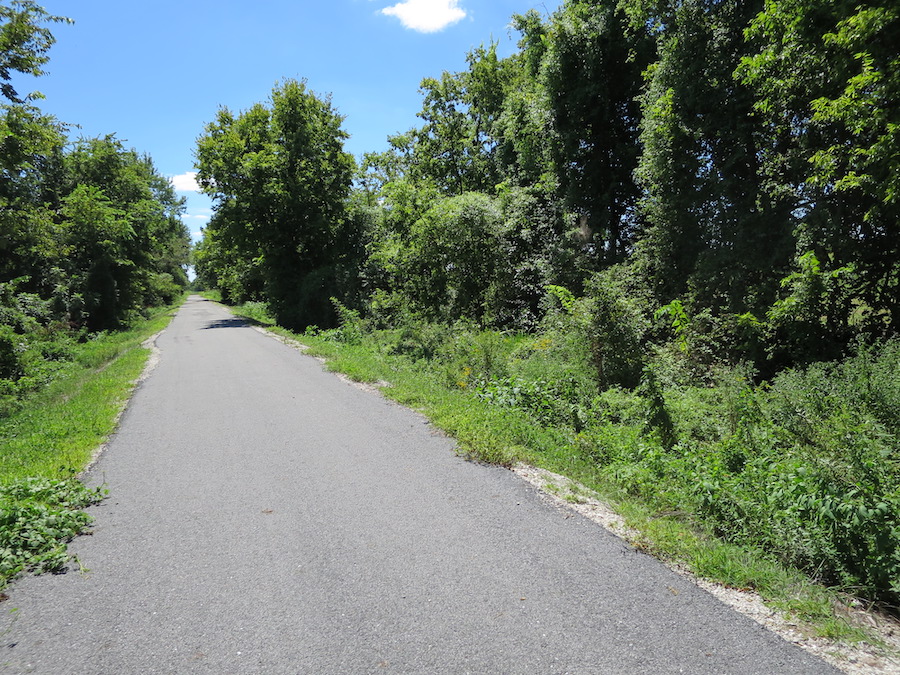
{"x": 195, "y": 216}
{"x": 185, "y": 182}
{"x": 426, "y": 16}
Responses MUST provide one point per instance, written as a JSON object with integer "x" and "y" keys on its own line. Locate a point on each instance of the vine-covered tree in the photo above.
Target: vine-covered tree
{"x": 711, "y": 231}
{"x": 826, "y": 76}
{"x": 592, "y": 74}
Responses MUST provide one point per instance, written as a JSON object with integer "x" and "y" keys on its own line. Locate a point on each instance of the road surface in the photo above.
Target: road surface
{"x": 267, "y": 517}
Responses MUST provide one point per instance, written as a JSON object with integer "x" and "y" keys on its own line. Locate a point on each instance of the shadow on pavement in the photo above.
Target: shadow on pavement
{"x": 227, "y": 323}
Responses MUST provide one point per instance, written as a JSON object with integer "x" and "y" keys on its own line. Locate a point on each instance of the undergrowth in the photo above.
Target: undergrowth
{"x": 38, "y": 517}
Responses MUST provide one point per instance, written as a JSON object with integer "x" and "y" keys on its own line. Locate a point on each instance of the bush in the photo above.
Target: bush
{"x": 453, "y": 256}
{"x": 615, "y": 331}
{"x": 351, "y": 327}
{"x": 161, "y": 289}
{"x": 418, "y": 340}
{"x": 10, "y": 352}
{"x": 473, "y": 356}
{"x": 810, "y": 472}
{"x": 546, "y": 402}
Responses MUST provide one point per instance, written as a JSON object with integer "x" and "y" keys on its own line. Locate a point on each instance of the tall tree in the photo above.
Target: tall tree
{"x": 279, "y": 176}
{"x": 592, "y": 73}
{"x": 712, "y": 230}
{"x": 91, "y": 230}
{"x": 827, "y": 80}
{"x": 31, "y": 146}
{"x": 129, "y": 247}
{"x": 24, "y": 42}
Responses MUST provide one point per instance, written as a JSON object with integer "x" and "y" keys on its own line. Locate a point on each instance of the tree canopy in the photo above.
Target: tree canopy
{"x": 279, "y": 177}
{"x": 739, "y": 159}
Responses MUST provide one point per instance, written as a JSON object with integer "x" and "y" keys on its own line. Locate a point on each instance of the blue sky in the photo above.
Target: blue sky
{"x": 155, "y": 72}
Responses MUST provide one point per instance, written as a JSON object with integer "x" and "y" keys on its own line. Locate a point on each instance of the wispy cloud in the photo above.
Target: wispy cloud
{"x": 426, "y": 16}
{"x": 185, "y": 182}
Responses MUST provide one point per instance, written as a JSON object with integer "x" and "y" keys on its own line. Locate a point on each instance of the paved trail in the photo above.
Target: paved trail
{"x": 266, "y": 517}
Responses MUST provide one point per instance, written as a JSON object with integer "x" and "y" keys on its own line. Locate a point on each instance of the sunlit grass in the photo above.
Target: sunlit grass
{"x": 57, "y": 430}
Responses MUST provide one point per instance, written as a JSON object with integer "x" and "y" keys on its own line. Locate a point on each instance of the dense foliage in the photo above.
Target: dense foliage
{"x": 738, "y": 158}
{"x": 90, "y": 233}
{"x": 691, "y": 207}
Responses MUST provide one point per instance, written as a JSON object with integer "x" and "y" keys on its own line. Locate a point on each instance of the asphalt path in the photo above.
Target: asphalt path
{"x": 266, "y": 516}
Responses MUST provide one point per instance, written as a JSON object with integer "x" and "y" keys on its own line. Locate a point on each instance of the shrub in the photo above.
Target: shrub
{"x": 161, "y": 289}
{"x": 810, "y": 472}
{"x": 10, "y": 352}
{"x": 616, "y": 330}
{"x": 547, "y": 402}
{"x": 351, "y": 327}
{"x": 452, "y": 257}
{"x": 418, "y": 340}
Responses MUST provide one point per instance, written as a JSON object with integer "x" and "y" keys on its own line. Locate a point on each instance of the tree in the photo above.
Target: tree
{"x": 712, "y": 231}
{"x": 98, "y": 236}
{"x": 591, "y": 70}
{"x": 31, "y": 146}
{"x": 452, "y": 257}
{"x": 24, "y": 42}
{"x": 827, "y": 82}
{"x": 145, "y": 245}
{"x": 279, "y": 176}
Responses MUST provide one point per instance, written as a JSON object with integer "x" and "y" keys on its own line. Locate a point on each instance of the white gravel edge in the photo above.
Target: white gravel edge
{"x": 861, "y": 659}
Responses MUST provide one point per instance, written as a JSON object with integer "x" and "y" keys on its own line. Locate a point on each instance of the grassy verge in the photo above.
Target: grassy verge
{"x": 592, "y": 455}
{"x": 53, "y": 437}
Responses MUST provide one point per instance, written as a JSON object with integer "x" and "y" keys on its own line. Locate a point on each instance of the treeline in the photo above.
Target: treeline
{"x": 731, "y": 164}
{"x": 90, "y": 232}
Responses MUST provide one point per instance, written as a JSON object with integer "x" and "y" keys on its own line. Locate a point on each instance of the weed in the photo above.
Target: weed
{"x": 37, "y": 517}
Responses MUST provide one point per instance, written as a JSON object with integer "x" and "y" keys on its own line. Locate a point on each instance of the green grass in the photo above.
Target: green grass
{"x": 53, "y": 437}
{"x": 57, "y": 434}
{"x": 58, "y": 429}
